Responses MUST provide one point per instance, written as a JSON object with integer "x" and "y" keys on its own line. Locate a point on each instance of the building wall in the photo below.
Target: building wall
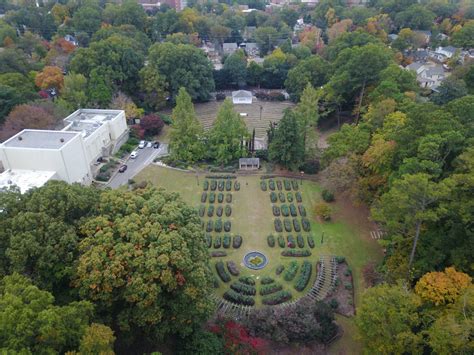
{"x": 118, "y": 126}
{"x": 76, "y": 162}
{"x": 95, "y": 143}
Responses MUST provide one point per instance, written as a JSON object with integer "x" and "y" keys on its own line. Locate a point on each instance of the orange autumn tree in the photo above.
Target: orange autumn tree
{"x": 50, "y": 77}
{"x": 442, "y": 287}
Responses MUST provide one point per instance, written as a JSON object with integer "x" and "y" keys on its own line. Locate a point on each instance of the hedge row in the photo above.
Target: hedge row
{"x": 287, "y": 184}
{"x": 281, "y": 241}
{"x": 304, "y": 276}
{"x": 294, "y": 184}
{"x": 289, "y": 197}
{"x": 226, "y": 241}
{"x": 281, "y": 197}
{"x": 233, "y": 269}
{"x": 217, "y": 226}
{"x": 296, "y": 225}
{"x": 269, "y": 289}
{"x": 298, "y": 197}
{"x": 228, "y": 210}
{"x": 279, "y": 269}
{"x": 287, "y": 224}
{"x": 306, "y": 224}
{"x": 279, "y": 185}
{"x": 277, "y": 298}
{"x": 291, "y": 271}
{"x": 236, "y": 241}
{"x": 223, "y": 275}
{"x": 300, "y": 241}
{"x": 310, "y": 241}
{"x": 302, "y": 210}
{"x": 247, "y": 280}
{"x": 227, "y": 226}
{"x": 278, "y": 225}
{"x": 216, "y": 177}
{"x": 273, "y": 197}
{"x": 238, "y": 298}
{"x": 296, "y": 253}
{"x": 263, "y": 185}
{"x": 266, "y": 280}
{"x": 202, "y": 211}
{"x": 205, "y": 185}
{"x": 218, "y": 253}
{"x": 210, "y": 211}
{"x": 244, "y": 289}
{"x": 219, "y": 211}
{"x": 271, "y": 241}
{"x": 276, "y": 211}
{"x": 285, "y": 211}
{"x": 293, "y": 210}
{"x": 271, "y": 185}
{"x": 208, "y": 238}
{"x": 291, "y": 241}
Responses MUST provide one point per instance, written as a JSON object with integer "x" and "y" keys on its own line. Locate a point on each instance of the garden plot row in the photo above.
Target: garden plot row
{"x": 224, "y": 241}
{"x": 290, "y": 241}
{"x": 279, "y": 185}
{"x": 218, "y": 197}
{"x": 219, "y": 211}
{"x": 292, "y": 224}
{"x": 288, "y": 210}
{"x": 221, "y": 185}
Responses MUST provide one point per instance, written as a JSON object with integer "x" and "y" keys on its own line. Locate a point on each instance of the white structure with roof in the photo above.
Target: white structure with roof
{"x": 242, "y": 97}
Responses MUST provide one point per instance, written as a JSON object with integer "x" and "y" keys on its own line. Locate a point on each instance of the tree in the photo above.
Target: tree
{"x": 350, "y": 139}
{"x": 227, "y": 135}
{"x": 186, "y": 138}
{"x": 97, "y": 339}
{"x": 155, "y": 278}
{"x": 312, "y": 71}
{"x": 152, "y": 124}
{"x": 74, "y": 91}
{"x": 266, "y": 38}
{"x": 416, "y": 16}
{"x": 26, "y": 116}
{"x": 286, "y": 147}
{"x": 220, "y": 33}
{"x": 87, "y": 19}
{"x": 307, "y": 113}
{"x": 123, "y": 102}
{"x": 450, "y": 89}
{"x": 127, "y": 13}
{"x": 99, "y": 90}
{"x": 338, "y": 29}
{"x": 14, "y": 61}
{"x": 357, "y": 38}
{"x": 442, "y": 287}
{"x": 465, "y": 36}
{"x": 154, "y": 88}
{"x": 386, "y": 319}
{"x": 50, "y": 77}
{"x": 235, "y": 67}
{"x": 9, "y": 98}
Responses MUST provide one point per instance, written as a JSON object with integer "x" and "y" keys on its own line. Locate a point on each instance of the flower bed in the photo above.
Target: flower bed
{"x": 213, "y": 185}
{"x": 210, "y": 211}
{"x": 202, "y": 211}
{"x": 217, "y": 242}
{"x": 306, "y": 224}
{"x": 228, "y": 185}
{"x": 219, "y": 211}
{"x": 273, "y": 197}
{"x": 271, "y": 241}
{"x": 287, "y": 185}
{"x": 279, "y": 185}
{"x": 220, "y": 185}
{"x": 291, "y": 241}
{"x": 281, "y": 197}
{"x": 238, "y": 298}
{"x": 310, "y": 241}
{"x": 294, "y": 184}
{"x": 247, "y": 280}
{"x": 296, "y": 253}
{"x": 279, "y": 269}
{"x": 287, "y": 224}
{"x": 208, "y": 238}
{"x": 227, "y": 226}
{"x": 221, "y": 272}
{"x": 263, "y": 185}
{"x": 209, "y": 226}
{"x": 205, "y": 185}
{"x": 228, "y": 198}
{"x": 304, "y": 276}
{"x": 218, "y": 253}
{"x": 226, "y": 241}
{"x": 266, "y": 280}
{"x": 237, "y": 186}
{"x": 269, "y": 289}
{"x": 276, "y": 210}
{"x": 293, "y": 210}
{"x": 278, "y": 225}
{"x": 228, "y": 210}
{"x": 232, "y": 267}
{"x": 291, "y": 271}
{"x": 220, "y": 197}
{"x": 236, "y": 241}
{"x": 285, "y": 211}
{"x": 302, "y": 210}
{"x": 298, "y": 197}
{"x": 300, "y": 241}
{"x": 289, "y": 197}
{"x": 243, "y": 288}
{"x": 271, "y": 185}
{"x": 204, "y": 197}
{"x": 277, "y": 298}
{"x": 296, "y": 225}
{"x": 218, "y": 226}
{"x": 212, "y": 197}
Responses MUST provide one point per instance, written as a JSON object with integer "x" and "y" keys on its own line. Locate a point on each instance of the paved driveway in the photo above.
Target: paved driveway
{"x": 145, "y": 157}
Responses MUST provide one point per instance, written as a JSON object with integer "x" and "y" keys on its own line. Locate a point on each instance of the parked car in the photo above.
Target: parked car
{"x": 156, "y": 145}
{"x": 134, "y": 154}
{"x": 142, "y": 144}
{"x": 149, "y": 144}
{"x": 122, "y": 168}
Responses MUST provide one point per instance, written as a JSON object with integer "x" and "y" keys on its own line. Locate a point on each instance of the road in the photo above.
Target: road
{"x": 145, "y": 157}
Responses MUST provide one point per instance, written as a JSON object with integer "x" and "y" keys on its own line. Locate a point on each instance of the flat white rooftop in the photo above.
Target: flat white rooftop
{"x": 86, "y": 121}
{"x": 43, "y": 139}
{"x": 25, "y": 179}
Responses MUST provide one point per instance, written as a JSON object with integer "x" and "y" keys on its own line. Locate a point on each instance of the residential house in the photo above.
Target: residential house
{"x": 448, "y": 51}
{"x": 229, "y": 48}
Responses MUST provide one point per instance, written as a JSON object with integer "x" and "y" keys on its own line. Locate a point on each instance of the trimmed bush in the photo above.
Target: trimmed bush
{"x": 226, "y": 241}
{"x": 302, "y": 210}
{"x": 296, "y": 225}
{"x": 228, "y": 210}
{"x": 323, "y": 211}
{"x": 236, "y": 241}
{"x": 216, "y": 282}
{"x": 237, "y": 298}
{"x": 210, "y": 211}
{"x": 285, "y": 211}
{"x": 287, "y": 185}
{"x": 281, "y": 197}
{"x": 243, "y": 288}
{"x": 228, "y": 198}
{"x": 298, "y": 197}
{"x": 340, "y": 259}
{"x": 202, "y": 210}
{"x": 306, "y": 225}
{"x": 300, "y": 241}
{"x": 277, "y": 298}
{"x": 247, "y": 280}
{"x": 218, "y": 226}
{"x": 271, "y": 185}
{"x": 289, "y": 197}
{"x": 291, "y": 241}
{"x": 223, "y": 275}
{"x": 276, "y": 211}
{"x": 217, "y": 242}
{"x": 237, "y": 186}
{"x": 219, "y": 211}
{"x": 218, "y": 253}
{"x": 279, "y": 269}
{"x": 304, "y": 276}
{"x": 205, "y": 185}
{"x": 294, "y": 184}
{"x": 213, "y": 185}
{"x": 287, "y": 224}
{"x": 296, "y": 253}
{"x": 327, "y": 195}
{"x": 279, "y": 185}
{"x": 208, "y": 238}
{"x": 269, "y": 289}
{"x": 212, "y": 197}
{"x": 263, "y": 185}
{"x": 278, "y": 225}
{"x": 291, "y": 271}
{"x": 220, "y": 185}
{"x": 233, "y": 268}
{"x": 293, "y": 210}
{"x": 209, "y": 226}
{"x": 220, "y": 197}
{"x": 227, "y": 226}
{"x": 281, "y": 241}
{"x": 310, "y": 241}
{"x": 204, "y": 197}
{"x": 271, "y": 241}
{"x": 228, "y": 185}
{"x": 273, "y": 197}
{"x": 266, "y": 280}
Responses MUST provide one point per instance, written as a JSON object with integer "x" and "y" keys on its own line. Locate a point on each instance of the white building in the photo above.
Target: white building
{"x": 242, "y": 97}
{"x": 32, "y": 157}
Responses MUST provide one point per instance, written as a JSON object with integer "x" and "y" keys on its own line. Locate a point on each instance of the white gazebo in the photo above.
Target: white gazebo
{"x": 242, "y": 97}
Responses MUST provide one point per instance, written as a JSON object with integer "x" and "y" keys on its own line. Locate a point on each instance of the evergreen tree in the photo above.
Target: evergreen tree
{"x": 307, "y": 113}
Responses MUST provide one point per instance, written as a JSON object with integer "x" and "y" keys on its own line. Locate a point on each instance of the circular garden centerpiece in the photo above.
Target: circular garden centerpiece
{"x": 255, "y": 260}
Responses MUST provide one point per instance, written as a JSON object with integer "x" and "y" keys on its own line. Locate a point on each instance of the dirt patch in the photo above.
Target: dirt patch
{"x": 343, "y": 293}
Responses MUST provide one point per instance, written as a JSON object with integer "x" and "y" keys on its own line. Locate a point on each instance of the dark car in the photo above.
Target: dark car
{"x": 156, "y": 145}
{"x": 122, "y": 168}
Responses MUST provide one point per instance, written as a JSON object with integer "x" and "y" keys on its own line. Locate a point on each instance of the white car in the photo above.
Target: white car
{"x": 142, "y": 144}
{"x": 149, "y": 144}
{"x": 133, "y": 155}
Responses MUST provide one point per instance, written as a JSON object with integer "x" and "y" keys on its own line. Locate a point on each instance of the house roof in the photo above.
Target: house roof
{"x": 242, "y": 93}
{"x": 229, "y": 45}
{"x": 414, "y": 66}
{"x": 40, "y": 139}
{"x": 249, "y": 161}
{"x": 25, "y": 179}
{"x": 449, "y": 49}
{"x": 437, "y": 70}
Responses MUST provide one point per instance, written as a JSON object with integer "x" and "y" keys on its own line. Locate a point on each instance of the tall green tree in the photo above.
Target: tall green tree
{"x": 235, "y": 67}
{"x": 187, "y": 134}
{"x": 74, "y": 91}
{"x": 307, "y": 113}
{"x": 227, "y": 135}
{"x": 313, "y": 71}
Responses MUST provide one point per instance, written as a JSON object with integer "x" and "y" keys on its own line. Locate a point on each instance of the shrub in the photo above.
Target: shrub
{"x": 276, "y": 298}
{"x": 263, "y": 185}
{"x": 204, "y": 197}
{"x": 348, "y": 286}
{"x": 287, "y": 224}
{"x": 269, "y": 289}
{"x": 298, "y": 197}
{"x": 281, "y": 241}
{"x": 279, "y": 269}
{"x": 266, "y": 280}
{"x": 294, "y": 184}
{"x": 281, "y": 197}
{"x": 278, "y": 225}
{"x": 213, "y": 185}
{"x": 205, "y": 185}
{"x": 202, "y": 210}
{"x": 208, "y": 238}
{"x": 209, "y": 226}
{"x": 327, "y": 195}
{"x": 219, "y": 211}
{"x": 228, "y": 198}
{"x": 296, "y": 253}
{"x": 238, "y": 298}
{"x": 279, "y": 185}
{"x": 302, "y": 210}
{"x": 323, "y": 211}
{"x": 223, "y": 275}
{"x": 296, "y": 225}
{"x": 218, "y": 253}
{"x": 237, "y": 186}
{"x": 333, "y": 303}
{"x": 271, "y": 185}
{"x": 276, "y": 211}
{"x": 289, "y": 197}
{"x": 287, "y": 185}
{"x": 226, "y": 241}
{"x": 285, "y": 211}
{"x": 220, "y": 96}
{"x": 291, "y": 271}
{"x": 218, "y": 226}
{"x": 243, "y": 288}
{"x": 247, "y": 280}
{"x": 304, "y": 276}
{"x": 233, "y": 269}
{"x": 227, "y": 226}
{"x": 236, "y": 241}
{"x": 228, "y": 211}
{"x": 217, "y": 242}
{"x": 310, "y": 241}
{"x": 340, "y": 259}
{"x": 210, "y": 211}
{"x": 291, "y": 241}
{"x": 271, "y": 241}
{"x": 220, "y": 197}
{"x": 228, "y": 185}
{"x": 306, "y": 225}
{"x": 220, "y": 185}
{"x": 273, "y": 197}
{"x": 300, "y": 241}
{"x": 212, "y": 197}
{"x": 293, "y": 210}
{"x": 215, "y": 282}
